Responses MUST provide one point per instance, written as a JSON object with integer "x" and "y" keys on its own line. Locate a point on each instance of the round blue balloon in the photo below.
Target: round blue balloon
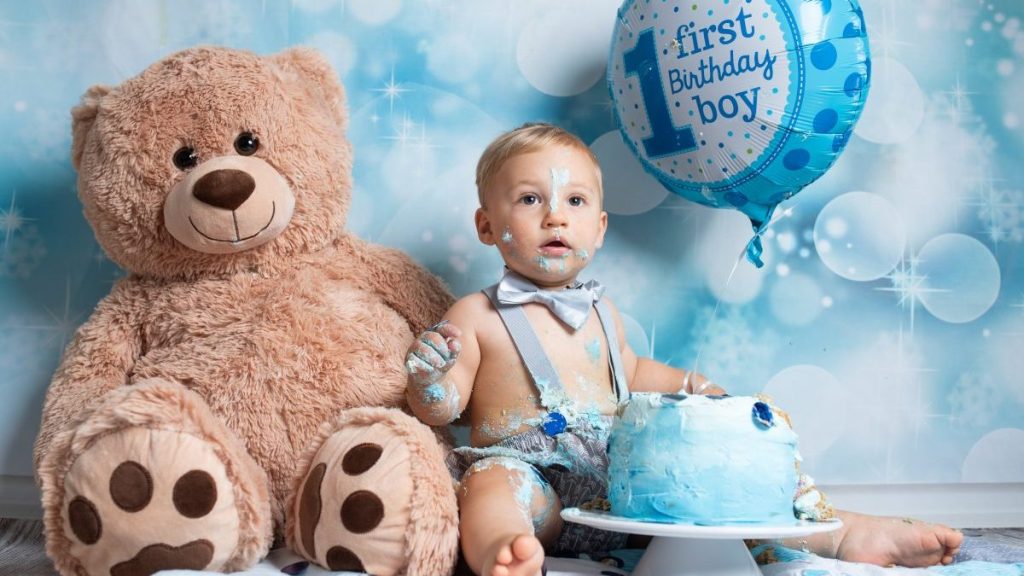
{"x": 738, "y": 103}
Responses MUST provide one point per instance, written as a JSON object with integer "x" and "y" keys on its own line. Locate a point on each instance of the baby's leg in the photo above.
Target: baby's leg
{"x": 507, "y": 512}
{"x": 886, "y": 541}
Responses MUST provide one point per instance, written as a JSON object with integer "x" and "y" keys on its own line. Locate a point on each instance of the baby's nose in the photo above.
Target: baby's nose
{"x": 555, "y": 218}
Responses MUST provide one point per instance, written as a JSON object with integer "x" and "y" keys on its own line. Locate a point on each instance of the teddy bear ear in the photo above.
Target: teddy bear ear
{"x": 82, "y": 118}
{"x": 319, "y": 78}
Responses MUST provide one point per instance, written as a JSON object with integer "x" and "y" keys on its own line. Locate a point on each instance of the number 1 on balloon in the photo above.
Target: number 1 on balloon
{"x": 642, "y": 61}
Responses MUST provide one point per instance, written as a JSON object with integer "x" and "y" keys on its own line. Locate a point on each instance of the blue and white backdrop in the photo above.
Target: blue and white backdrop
{"x": 889, "y": 316}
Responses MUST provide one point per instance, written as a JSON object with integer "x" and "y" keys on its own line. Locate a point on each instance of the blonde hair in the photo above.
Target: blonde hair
{"x": 527, "y": 138}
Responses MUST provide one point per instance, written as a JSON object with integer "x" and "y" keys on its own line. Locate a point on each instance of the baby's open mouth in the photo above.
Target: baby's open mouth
{"x": 555, "y": 248}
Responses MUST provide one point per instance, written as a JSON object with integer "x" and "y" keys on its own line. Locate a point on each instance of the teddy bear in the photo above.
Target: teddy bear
{"x": 243, "y": 385}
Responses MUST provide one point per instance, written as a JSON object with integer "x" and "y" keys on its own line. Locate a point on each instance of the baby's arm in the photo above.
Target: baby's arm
{"x": 442, "y": 365}
{"x": 648, "y": 375}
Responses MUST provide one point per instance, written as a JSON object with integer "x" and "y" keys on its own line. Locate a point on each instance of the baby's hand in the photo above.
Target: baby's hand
{"x": 433, "y": 354}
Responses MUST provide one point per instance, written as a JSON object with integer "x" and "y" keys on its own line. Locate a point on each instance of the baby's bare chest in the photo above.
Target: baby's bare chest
{"x": 580, "y": 359}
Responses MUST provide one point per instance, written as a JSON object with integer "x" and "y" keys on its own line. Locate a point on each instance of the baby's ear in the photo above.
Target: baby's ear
{"x": 317, "y": 77}
{"x": 484, "y": 229}
{"x": 602, "y": 228}
{"x": 83, "y": 117}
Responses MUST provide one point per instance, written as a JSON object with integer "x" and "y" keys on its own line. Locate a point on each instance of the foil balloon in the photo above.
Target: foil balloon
{"x": 738, "y": 103}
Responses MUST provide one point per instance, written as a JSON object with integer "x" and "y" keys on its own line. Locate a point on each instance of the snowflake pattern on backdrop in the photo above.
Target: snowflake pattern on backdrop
{"x": 1001, "y": 213}
{"x": 23, "y": 250}
{"x": 726, "y": 346}
{"x": 973, "y": 399}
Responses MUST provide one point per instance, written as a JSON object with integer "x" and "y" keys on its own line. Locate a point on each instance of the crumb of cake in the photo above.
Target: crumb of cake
{"x": 767, "y": 556}
{"x": 784, "y": 415}
{"x": 810, "y": 503}
{"x": 597, "y": 504}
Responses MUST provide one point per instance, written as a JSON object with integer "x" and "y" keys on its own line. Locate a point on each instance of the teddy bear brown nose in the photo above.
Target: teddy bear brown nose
{"x": 225, "y": 188}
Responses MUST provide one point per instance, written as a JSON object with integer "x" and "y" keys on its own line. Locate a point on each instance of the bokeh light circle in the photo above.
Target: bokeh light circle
{"x": 896, "y": 107}
{"x": 960, "y": 277}
{"x": 636, "y": 336}
{"x": 807, "y": 392}
{"x": 560, "y": 63}
{"x": 795, "y": 299}
{"x": 374, "y": 12}
{"x": 860, "y": 236}
{"x": 628, "y": 189}
{"x": 996, "y": 457}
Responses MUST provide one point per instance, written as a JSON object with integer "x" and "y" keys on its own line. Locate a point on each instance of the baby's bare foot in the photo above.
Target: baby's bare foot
{"x": 522, "y": 555}
{"x": 899, "y": 541}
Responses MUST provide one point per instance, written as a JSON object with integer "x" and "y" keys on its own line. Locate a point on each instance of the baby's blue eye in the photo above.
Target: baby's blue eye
{"x": 529, "y": 199}
{"x": 576, "y": 201}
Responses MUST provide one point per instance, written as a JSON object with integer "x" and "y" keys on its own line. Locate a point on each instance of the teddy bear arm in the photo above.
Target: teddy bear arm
{"x": 412, "y": 291}
{"x": 101, "y": 357}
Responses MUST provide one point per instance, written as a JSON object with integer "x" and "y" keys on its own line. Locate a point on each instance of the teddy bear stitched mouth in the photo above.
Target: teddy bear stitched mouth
{"x": 273, "y": 212}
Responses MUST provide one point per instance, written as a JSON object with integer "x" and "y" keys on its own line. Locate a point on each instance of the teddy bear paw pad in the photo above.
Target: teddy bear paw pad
{"x": 140, "y": 501}
{"x": 353, "y": 507}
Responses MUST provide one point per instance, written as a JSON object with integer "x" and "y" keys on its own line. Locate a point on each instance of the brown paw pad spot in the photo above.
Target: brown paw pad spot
{"x": 361, "y": 458}
{"x": 192, "y": 556}
{"x": 85, "y": 520}
{"x": 131, "y": 486}
{"x": 340, "y": 559}
{"x": 362, "y": 511}
{"x": 309, "y": 508}
{"x": 194, "y": 494}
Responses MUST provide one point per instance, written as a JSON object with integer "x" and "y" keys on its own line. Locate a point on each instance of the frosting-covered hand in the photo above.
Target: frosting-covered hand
{"x": 433, "y": 354}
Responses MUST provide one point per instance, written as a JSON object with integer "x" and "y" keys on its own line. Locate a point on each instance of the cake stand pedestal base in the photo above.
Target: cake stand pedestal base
{"x": 689, "y": 550}
{"x": 668, "y": 556}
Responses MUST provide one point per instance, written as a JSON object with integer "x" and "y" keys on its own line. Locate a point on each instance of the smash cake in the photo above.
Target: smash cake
{"x": 708, "y": 460}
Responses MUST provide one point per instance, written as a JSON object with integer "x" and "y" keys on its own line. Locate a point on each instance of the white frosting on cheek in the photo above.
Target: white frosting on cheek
{"x": 559, "y": 178}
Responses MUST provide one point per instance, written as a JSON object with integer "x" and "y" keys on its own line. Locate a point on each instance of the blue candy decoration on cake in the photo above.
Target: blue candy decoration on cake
{"x": 696, "y": 460}
{"x": 763, "y": 415}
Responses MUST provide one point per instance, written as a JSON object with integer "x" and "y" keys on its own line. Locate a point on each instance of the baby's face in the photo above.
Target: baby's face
{"x": 543, "y": 212}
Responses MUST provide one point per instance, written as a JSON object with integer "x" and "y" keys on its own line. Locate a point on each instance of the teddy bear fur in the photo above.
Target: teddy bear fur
{"x": 249, "y": 367}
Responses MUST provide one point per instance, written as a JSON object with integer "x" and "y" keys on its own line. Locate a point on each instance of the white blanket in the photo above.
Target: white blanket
{"x": 792, "y": 563}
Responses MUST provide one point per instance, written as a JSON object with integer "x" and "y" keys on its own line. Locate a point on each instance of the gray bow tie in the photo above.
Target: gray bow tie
{"x": 571, "y": 305}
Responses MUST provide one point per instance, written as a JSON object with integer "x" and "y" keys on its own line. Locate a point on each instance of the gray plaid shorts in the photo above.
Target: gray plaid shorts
{"x": 575, "y": 465}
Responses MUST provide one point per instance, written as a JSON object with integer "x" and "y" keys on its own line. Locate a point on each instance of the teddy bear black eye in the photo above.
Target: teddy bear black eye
{"x": 247, "y": 144}
{"x": 185, "y": 158}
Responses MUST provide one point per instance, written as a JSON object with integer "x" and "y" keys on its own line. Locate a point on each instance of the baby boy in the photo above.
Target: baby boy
{"x": 541, "y": 360}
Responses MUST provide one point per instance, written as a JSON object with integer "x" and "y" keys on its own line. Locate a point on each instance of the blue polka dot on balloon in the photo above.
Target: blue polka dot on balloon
{"x": 823, "y": 55}
{"x": 737, "y": 199}
{"x": 825, "y": 120}
{"x": 839, "y": 142}
{"x": 826, "y": 6}
{"x": 853, "y": 84}
{"x": 796, "y": 159}
{"x": 852, "y": 30}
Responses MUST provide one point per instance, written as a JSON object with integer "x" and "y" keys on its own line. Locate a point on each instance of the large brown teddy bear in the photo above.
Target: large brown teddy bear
{"x": 245, "y": 380}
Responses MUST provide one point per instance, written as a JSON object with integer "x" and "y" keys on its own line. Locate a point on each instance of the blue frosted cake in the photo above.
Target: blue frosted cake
{"x": 707, "y": 460}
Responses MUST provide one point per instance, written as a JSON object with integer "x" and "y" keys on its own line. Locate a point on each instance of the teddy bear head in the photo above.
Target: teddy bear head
{"x": 214, "y": 161}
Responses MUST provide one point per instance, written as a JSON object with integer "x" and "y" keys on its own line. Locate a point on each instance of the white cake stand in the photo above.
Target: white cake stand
{"x": 689, "y": 550}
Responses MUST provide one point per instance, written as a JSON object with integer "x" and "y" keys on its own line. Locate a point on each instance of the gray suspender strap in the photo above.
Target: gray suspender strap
{"x": 614, "y": 358}
{"x": 544, "y": 375}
